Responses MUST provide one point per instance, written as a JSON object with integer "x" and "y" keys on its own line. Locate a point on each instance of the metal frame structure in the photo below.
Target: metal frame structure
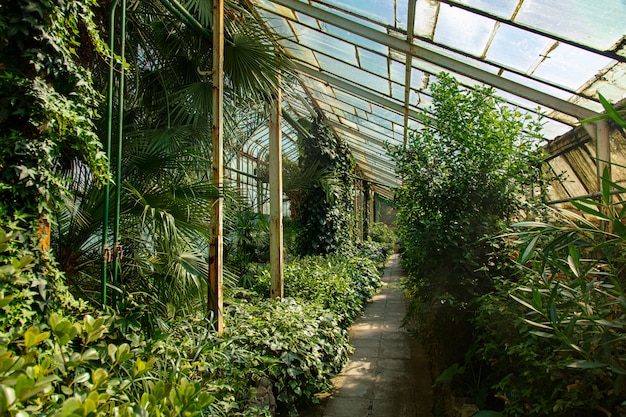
{"x": 367, "y": 66}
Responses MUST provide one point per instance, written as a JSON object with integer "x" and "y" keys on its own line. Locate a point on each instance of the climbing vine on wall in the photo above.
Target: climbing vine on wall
{"x": 47, "y": 102}
{"x": 323, "y": 213}
{"x": 47, "y": 112}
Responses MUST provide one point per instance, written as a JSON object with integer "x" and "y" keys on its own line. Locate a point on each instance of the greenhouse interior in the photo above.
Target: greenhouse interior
{"x": 317, "y": 208}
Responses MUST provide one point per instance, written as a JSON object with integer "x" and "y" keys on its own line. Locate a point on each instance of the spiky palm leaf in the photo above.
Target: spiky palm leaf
{"x": 166, "y": 195}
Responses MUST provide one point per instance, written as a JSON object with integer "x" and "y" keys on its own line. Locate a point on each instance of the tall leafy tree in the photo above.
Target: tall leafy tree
{"x": 468, "y": 169}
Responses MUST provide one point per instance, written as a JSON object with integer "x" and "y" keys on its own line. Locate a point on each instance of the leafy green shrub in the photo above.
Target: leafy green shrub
{"x": 574, "y": 301}
{"x": 100, "y": 366}
{"x": 341, "y": 285}
{"x": 303, "y": 341}
{"x": 381, "y": 233}
{"x": 562, "y": 321}
{"x": 462, "y": 174}
{"x": 374, "y": 251}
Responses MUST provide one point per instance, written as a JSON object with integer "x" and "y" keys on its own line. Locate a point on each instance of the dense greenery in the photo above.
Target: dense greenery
{"x": 322, "y": 212}
{"x": 165, "y": 173}
{"x": 338, "y": 283}
{"x": 381, "y": 233}
{"x": 464, "y": 174}
{"x": 562, "y": 317}
{"x": 525, "y": 318}
{"x": 104, "y": 365}
{"x": 59, "y": 355}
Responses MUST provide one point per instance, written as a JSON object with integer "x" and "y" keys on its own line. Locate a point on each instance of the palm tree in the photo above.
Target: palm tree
{"x": 166, "y": 191}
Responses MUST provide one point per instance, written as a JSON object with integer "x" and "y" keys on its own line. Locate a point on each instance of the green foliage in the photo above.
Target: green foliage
{"x": 467, "y": 172}
{"x": 246, "y": 242}
{"x": 339, "y": 284}
{"x": 567, "y": 310}
{"x": 47, "y": 99}
{"x": 323, "y": 211}
{"x": 574, "y": 302}
{"x": 306, "y": 344}
{"x": 381, "y": 233}
{"x": 462, "y": 174}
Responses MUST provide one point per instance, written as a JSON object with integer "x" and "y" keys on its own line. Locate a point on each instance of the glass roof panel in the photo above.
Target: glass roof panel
{"x": 397, "y": 92}
{"x": 612, "y": 85}
{"x": 308, "y": 20}
{"x": 276, "y": 8}
{"x": 319, "y": 41}
{"x": 502, "y": 8}
{"x": 425, "y": 18}
{"x": 355, "y": 75}
{"x": 376, "y": 24}
{"x": 279, "y": 24}
{"x": 378, "y": 10}
{"x": 355, "y": 39}
{"x": 340, "y": 105}
{"x": 398, "y": 72}
{"x": 353, "y": 100}
{"x": 553, "y": 91}
{"x": 463, "y": 30}
{"x": 332, "y": 117}
{"x": 373, "y": 62}
{"x": 516, "y": 48}
{"x": 301, "y": 53}
{"x": 570, "y": 66}
{"x": 597, "y": 23}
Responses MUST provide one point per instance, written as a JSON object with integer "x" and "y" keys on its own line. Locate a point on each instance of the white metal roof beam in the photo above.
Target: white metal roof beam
{"x": 440, "y": 60}
{"x": 608, "y": 53}
{"x": 353, "y": 89}
{"x": 365, "y": 137}
{"x": 408, "y": 66}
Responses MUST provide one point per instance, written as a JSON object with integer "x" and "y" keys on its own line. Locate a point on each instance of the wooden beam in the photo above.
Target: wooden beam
{"x": 276, "y": 199}
{"x": 216, "y": 250}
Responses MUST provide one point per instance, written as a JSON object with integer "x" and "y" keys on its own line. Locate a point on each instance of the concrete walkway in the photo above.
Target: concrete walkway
{"x": 387, "y": 375}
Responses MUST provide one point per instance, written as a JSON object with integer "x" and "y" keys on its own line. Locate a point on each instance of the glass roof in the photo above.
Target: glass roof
{"x": 367, "y": 65}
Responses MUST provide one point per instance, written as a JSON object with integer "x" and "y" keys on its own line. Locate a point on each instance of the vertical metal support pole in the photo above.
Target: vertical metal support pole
{"x": 216, "y": 251}
{"x": 106, "y": 250}
{"x": 276, "y": 199}
{"x": 259, "y": 194}
{"x": 603, "y": 150}
{"x": 117, "y": 247}
{"x": 408, "y": 64}
{"x": 603, "y": 155}
{"x": 366, "y": 210}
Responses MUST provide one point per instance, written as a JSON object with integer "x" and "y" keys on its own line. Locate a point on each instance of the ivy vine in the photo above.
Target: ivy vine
{"x": 324, "y": 211}
{"x": 48, "y": 106}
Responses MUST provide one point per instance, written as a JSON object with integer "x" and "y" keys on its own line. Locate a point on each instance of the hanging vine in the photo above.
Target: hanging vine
{"x": 47, "y": 112}
{"x": 323, "y": 214}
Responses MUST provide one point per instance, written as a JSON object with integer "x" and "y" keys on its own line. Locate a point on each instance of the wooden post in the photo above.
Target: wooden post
{"x": 276, "y": 199}
{"x": 216, "y": 251}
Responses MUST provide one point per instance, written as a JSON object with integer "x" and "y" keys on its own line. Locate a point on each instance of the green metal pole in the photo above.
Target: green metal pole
{"x": 106, "y": 250}
{"x": 117, "y": 247}
{"x": 184, "y": 15}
